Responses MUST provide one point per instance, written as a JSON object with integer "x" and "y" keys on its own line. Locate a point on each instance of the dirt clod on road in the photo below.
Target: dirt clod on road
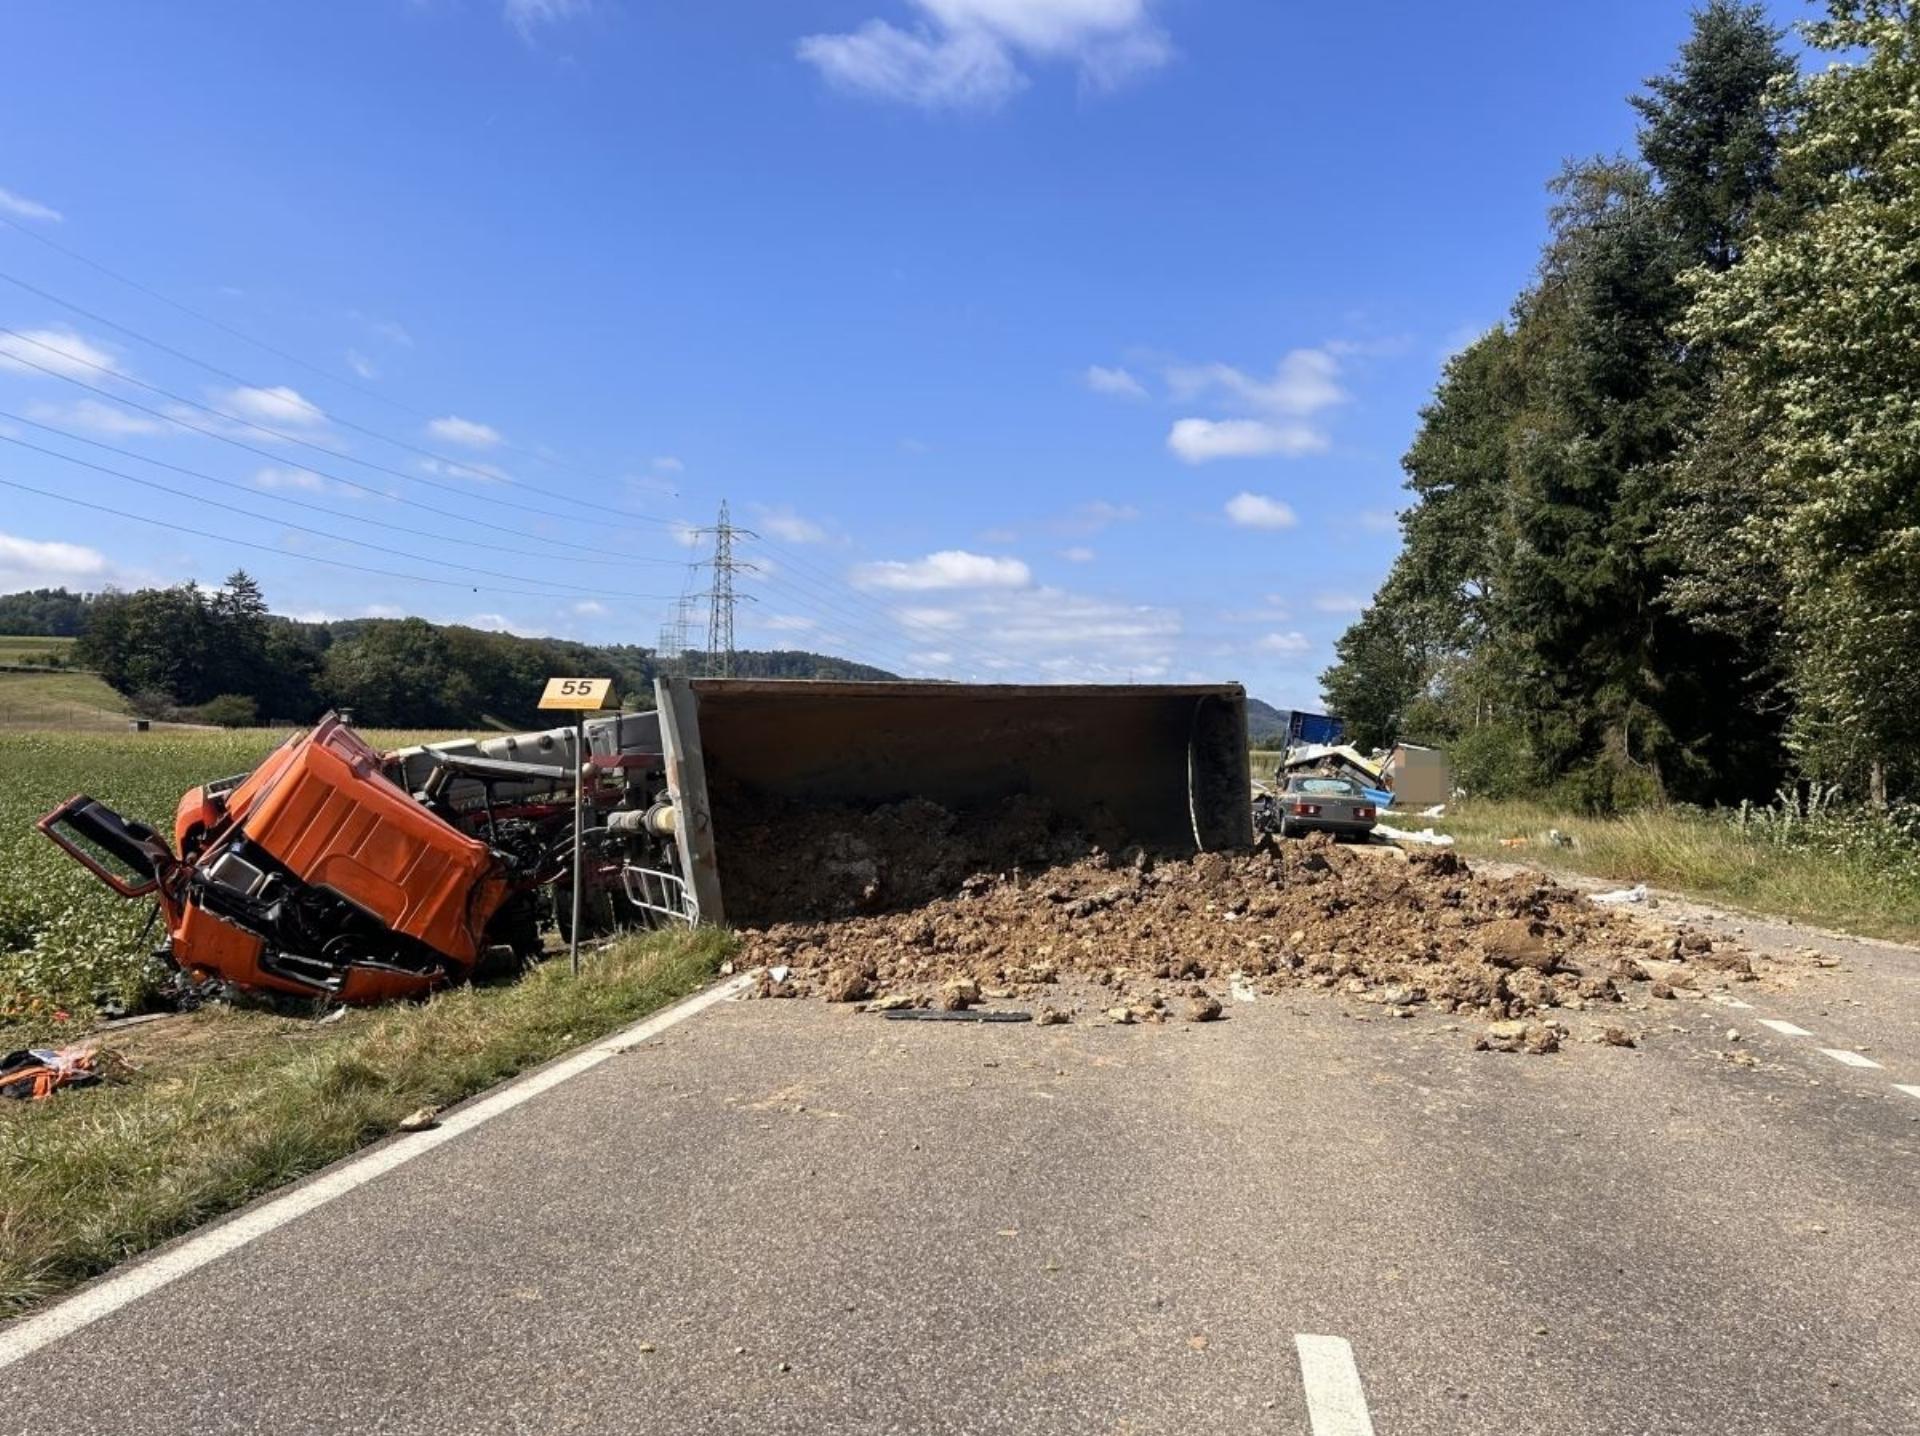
{"x": 1132, "y": 939}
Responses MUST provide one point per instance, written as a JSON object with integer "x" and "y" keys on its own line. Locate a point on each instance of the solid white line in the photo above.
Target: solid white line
{"x": 1335, "y": 1403}
{"x": 1852, "y": 1059}
{"x": 110, "y": 1294}
{"x": 1785, "y": 1029}
{"x": 1910, "y": 1091}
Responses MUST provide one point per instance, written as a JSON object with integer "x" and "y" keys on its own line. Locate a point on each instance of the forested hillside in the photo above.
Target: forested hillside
{"x": 220, "y": 656}
{"x": 1664, "y": 530}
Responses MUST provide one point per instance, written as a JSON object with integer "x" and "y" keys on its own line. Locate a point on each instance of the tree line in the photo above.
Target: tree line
{"x": 1664, "y": 532}
{"x": 220, "y": 656}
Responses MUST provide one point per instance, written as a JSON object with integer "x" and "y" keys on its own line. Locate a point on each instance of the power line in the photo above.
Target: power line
{"x": 465, "y": 543}
{"x": 267, "y": 548}
{"x": 881, "y": 649}
{"x": 265, "y": 347}
{"x": 268, "y": 454}
{"x": 946, "y": 639}
{"x": 272, "y": 433}
{"x": 231, "y": 377}
{"x": 317, "y": 533}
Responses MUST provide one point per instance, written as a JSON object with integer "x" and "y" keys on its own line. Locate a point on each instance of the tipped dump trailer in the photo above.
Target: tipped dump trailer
{"x": 334, "y": 871}
{"x": 1162, "y": 766}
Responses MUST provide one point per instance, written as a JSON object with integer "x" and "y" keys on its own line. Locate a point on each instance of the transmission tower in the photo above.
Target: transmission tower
{"x": 721, "y": 596}
{"x": 672, "y": 647}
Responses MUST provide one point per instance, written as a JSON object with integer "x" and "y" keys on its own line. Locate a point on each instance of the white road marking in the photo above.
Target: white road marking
{"x": 1851, "y": 1059}
{"x": 1335, "y": 1403}
{"x": 111, "y": 1293}
{"x": 1785, "y": 1029}
{"x": 1910, "y": 1091}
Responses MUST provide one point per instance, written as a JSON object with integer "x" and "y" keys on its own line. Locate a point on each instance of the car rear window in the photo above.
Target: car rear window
{"x": 1326, "y": 786}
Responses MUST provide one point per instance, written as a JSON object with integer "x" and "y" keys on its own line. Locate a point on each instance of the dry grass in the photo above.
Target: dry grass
{"x": 233, "y": 1104}
{"x": 1702, "y": 856}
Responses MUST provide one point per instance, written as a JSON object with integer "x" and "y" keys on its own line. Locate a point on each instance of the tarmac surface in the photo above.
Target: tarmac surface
{"x": 789, "y": 1217}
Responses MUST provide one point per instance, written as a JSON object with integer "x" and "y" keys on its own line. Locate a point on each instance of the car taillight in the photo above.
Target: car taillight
{"x": 1363, "y": 812}
{"x": 1306, "y": 810}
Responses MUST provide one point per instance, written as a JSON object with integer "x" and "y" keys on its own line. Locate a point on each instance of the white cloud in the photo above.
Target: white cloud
{"x": 61, "y": 351}
{"x": 1304, "y": 382}
{"x": 1290, "y": 644}
{"x": 1097, "y": 514}
{"x": 47, "y": 563}
{"x": 783, "y": 523}
{"x": 1379, "y": 521}
{"x": 924, "y": 617}
{"x": 1199, "y": 441}
{"x": 20, "y": 207}
{"x": 278, "y": 405}
{"x": 527, "y": 16}
{"x": 467, "y": 432}
{"x": 388, "y": 329}
{"x": 1338, "y": 603}
{"x": 950, "y": 568}
{"x": 687, "y": 535}
{"x": 667, "y": 464}
{"x": 967, "y": 54}
{"x": 1079, "y": 553}
{"x": 1270, "y": 415}
{"x": 788, "y": 623}
{"x": 361, "y": 365}
{"x": 304, "y": 479}
{"x": 1257, "y": 511}
{"x": 591, "y": 608}
{"x": 1103, "y": 380}
{"x": 471, "y": 470}
{"x": 97, "y": 417}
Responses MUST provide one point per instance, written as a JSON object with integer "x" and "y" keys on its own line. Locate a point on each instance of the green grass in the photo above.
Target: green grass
{"x": 64, "y": 936}
{"x": 232, "y": 1104}
{"x": 59, "y": 699}
{"x": 1702, "y": 856}
{"x": 18, "y": 648}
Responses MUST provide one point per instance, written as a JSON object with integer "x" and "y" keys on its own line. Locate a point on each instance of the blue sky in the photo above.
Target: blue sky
{"x": 1037, "y": 339}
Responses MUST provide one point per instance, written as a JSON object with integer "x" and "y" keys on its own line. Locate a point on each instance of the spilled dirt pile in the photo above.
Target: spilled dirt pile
{"x": 1137, "y": 939}
{"x": 835, "y": 862}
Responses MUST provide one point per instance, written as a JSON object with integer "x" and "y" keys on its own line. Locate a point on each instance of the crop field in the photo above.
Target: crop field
{"x": 64, "y": 938}
{"x": 18, "y": 648}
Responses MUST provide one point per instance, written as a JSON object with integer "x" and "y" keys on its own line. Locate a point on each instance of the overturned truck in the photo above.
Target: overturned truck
{"x": 337, "y": 871}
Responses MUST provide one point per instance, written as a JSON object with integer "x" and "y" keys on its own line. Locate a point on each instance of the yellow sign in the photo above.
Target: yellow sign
{"x": 578, "y": 693}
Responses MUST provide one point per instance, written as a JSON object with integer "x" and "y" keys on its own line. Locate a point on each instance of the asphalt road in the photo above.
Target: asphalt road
{"x": 785, "y": 1217}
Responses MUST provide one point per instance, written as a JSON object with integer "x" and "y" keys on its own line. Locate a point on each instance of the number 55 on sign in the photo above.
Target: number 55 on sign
{"x": 580, "y": 694}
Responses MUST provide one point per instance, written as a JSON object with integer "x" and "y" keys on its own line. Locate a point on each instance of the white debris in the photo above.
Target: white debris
{"x": 1426, "y": 836}
{"x": 1438, "y": 810}
{"x": 1636, "y": 893}
{"x": 1241, "y": 988}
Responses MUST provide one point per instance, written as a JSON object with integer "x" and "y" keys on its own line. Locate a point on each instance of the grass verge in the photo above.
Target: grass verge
{"x": 228, "y": 1105}
{"x": 1702, "y": 856}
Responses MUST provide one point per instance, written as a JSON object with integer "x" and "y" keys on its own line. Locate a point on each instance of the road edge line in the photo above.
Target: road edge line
{"x": 130, "y": 1283}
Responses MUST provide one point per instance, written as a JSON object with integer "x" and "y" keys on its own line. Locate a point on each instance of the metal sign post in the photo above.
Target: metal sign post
{"x": 581, "y": 696}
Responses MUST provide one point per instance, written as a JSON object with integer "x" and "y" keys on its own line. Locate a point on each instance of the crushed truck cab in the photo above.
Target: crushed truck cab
{"x": 312, "y": 875}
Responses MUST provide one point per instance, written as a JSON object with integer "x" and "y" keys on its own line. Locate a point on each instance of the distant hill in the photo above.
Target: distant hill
{"x": 219, "y": 656}
{"x": 1265, "y": 721}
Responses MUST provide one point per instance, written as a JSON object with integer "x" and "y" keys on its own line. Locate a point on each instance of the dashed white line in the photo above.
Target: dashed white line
{"x": 1785, "y": 1029}
{"x": 1335, "y": 1403}
{"x": 108, "y": 1296}
{"x": 1910, "y": 1091}
{"x": 1851, "y": 1059}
